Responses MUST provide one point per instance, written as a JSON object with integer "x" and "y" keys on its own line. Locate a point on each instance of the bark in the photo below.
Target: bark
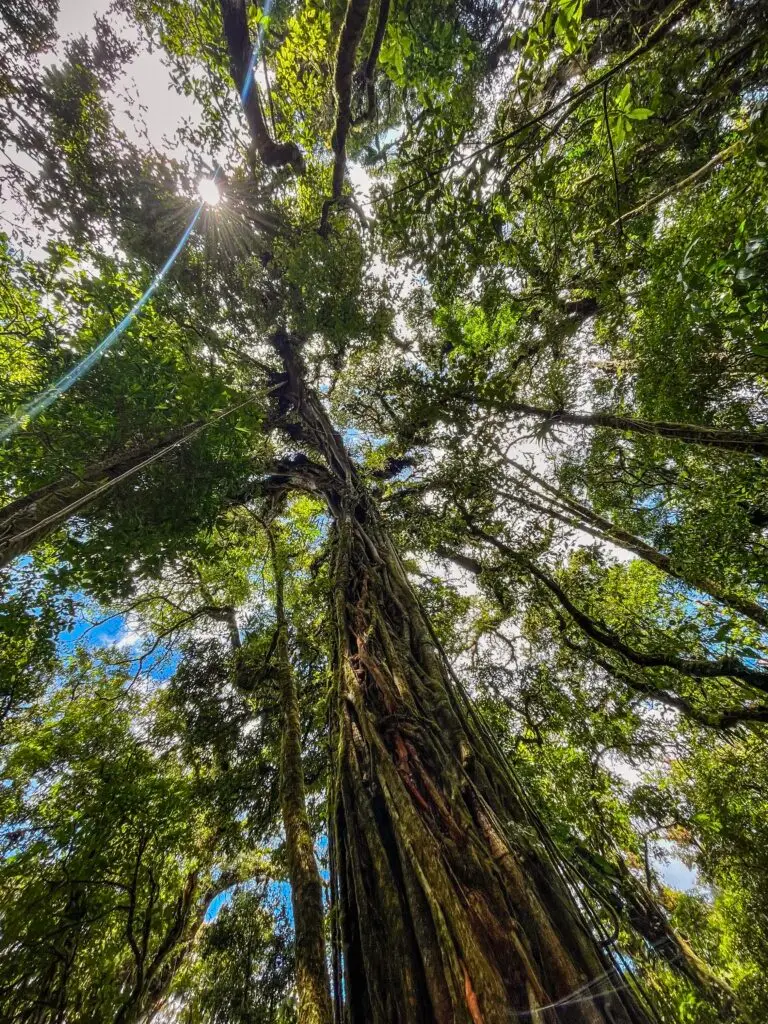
{"x": 450, "y": 904}
{"x": 227, "y": 616}
{"x": 745, "y": 441}
{"x": 272, "y": 154}
{"x": 605, "y": 529}
{"x": 33, "y": 517}
{"x": 349, "y": 40}
{"x": 312, "y": 981}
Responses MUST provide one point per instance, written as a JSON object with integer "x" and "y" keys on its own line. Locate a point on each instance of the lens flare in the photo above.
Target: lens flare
{"x": 30, "y": 410}
{"x": 210, "y": 195}
{"x": 209, "y": 192}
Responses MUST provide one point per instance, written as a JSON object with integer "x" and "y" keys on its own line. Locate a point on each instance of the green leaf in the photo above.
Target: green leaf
{"x": 639, "y": 113}
{"x": 622, "y": 100}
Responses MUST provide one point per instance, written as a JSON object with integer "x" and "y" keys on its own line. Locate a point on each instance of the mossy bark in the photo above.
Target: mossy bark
{"x": 312, "y": 981}
{"x": 447, "y": 906}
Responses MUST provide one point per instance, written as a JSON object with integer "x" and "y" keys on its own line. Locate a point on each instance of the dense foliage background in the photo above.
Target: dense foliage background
{"x": 525, "y": 247}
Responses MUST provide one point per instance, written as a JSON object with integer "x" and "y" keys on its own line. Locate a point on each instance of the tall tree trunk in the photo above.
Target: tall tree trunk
{"x": 312, "y": 981}
{"x": 745, "y": 441}
{"x": 448, "y": 905}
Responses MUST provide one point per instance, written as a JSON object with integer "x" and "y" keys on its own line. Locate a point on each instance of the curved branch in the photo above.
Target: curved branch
{"x": 696, "y": 668}
{"x": 349, "y": 40}
{"x": 369, "y": 68}
{"x": 272, "y": 154}
{"x": 726, "y": 719}
{"x": 709, "y": 720}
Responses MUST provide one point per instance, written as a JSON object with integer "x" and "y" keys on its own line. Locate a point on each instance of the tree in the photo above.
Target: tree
{"x": 421, "y": 851}
{"x": 552, "y": 225}
{"x": 116, "y": 841}
{"x": 245, "y": 968}
{"x": 312, "y": 982}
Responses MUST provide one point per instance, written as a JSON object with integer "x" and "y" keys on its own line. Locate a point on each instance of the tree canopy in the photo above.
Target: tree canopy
{"x": 383, "y": 608}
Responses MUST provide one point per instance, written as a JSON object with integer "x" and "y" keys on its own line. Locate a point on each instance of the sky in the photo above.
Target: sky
{"x": 143, "y": 98}
{"x": 146, "y": 75}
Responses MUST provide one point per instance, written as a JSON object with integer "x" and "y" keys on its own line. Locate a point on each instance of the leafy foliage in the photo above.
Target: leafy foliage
{"x": 536, "y": 314}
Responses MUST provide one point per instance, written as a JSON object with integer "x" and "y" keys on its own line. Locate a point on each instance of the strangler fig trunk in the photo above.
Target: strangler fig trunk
{"x": 447, "y": 904}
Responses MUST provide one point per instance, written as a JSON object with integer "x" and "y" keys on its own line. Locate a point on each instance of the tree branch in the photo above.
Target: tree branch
{"x": 272, "y": 154}
{"x": 349, "y": 40}
{"x": 744, "y": 441}
{"x": 697, "y": 668}
{"x": 369, "y": 68}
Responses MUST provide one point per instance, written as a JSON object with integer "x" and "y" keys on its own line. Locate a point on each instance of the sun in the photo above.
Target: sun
{"x": 209, "y": 192}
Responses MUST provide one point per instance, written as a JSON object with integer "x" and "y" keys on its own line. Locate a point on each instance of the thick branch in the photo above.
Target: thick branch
{"x": 697, "y": 668}
{"x": 29, "y": 519}
{"x": 726, "y": 719}
{"x": 369, "y": 69}
{"x": 744, "y": 441}
{"x": 349, "y": 40}
{"x": 272, "y": 154}
{"x": 678, "y": 186}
